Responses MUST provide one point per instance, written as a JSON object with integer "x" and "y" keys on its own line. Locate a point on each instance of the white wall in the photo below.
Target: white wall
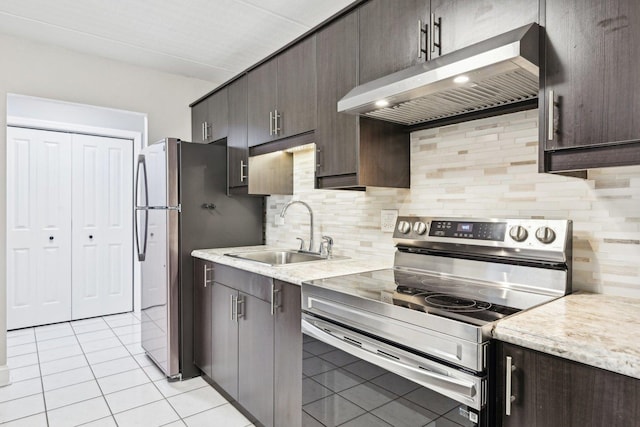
{"x": 483, "y": 168}
{"x": 39, "y": 70}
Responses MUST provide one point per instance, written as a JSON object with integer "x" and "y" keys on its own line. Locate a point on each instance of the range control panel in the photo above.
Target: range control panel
{"x": 469, "y": 230}
{"x": 518, "y": 234}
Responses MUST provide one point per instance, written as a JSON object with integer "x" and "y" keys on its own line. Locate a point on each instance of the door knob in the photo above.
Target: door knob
{"x": 90, "y": 236}
{"x": 50, "y": 237}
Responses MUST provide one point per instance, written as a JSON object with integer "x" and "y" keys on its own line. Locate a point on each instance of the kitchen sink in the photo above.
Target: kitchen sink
{"x": 280, "y": 257}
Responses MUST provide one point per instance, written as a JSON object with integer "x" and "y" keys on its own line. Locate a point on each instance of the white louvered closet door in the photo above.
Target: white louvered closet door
{"x": 38, "y": 227}
{"x": 102, "y": 226}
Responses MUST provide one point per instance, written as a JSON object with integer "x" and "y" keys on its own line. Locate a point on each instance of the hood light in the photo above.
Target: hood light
{"x": 461, "y": 79}
{"x": 382, "y": 103}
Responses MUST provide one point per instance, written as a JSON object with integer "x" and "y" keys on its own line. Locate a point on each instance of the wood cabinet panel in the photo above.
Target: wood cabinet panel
{"x": 209, "y": 118}
{"x": 199, "y": 114}
{"x": 389, "y": 36}
{"x": 336, "y": 134}
{"x": 202, "y": 334}
{"x": 262, "y": 101}
{"x": 592, "y": 62}
{"x": 464, "y": 23}
{"x": 554, "y": 392}
{"x": 256, "y": 354}
{"x": 224, "y": 339}
{"x": 237, "y": 143}
{"x": 282, "y": 95}
{"x": 523, "y": 382}
{"x": 296, "y": 103}
{"x": 218, "y": 116}
{"x": 352, "y": 152}
{"x": 288, "y": 356}
{"x": 256, "y": 358}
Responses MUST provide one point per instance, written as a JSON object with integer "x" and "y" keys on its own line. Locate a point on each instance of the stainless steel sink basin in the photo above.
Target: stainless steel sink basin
{"x": 280, "y": 257}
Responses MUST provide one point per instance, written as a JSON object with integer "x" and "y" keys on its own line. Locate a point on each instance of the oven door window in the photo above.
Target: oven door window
{"x": 341, "y": 387}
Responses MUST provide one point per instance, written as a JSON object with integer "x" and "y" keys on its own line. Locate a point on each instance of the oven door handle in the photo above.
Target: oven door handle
{"x": 443, "y": 383}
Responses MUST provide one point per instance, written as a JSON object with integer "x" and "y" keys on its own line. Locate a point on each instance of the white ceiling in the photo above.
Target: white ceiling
{"x": 207, "y": 39}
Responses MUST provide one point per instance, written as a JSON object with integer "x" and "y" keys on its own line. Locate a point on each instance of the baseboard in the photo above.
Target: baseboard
{"x": 4, "y": 376}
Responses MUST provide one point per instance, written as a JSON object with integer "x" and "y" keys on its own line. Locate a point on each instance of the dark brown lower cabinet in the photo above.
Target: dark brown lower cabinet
{"x": 550, "y": 391}
{"x": 255, "y": 357}
{"x": 255, "y": 342}
{"x": 202, "y": 280}
{"x": 224, "y": 339}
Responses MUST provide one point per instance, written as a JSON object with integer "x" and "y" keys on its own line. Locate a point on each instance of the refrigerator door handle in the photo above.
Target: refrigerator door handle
{"x": 142, "y": 165}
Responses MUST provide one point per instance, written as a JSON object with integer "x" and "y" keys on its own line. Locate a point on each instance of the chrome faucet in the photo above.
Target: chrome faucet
{"x": 284, "y": 210}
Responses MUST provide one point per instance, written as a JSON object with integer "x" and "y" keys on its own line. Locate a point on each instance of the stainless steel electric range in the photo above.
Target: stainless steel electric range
{"x": 429, "y": 318}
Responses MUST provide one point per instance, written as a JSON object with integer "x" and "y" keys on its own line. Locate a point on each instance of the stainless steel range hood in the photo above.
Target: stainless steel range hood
{"x": 498, "y": 71}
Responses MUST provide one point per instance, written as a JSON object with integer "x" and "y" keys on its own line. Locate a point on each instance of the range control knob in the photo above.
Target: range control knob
{"x": 419, "y": 227}
{"x": 545, "y": 235}
{"x": 518, "y": 233}
{"x": 404, "y": 227}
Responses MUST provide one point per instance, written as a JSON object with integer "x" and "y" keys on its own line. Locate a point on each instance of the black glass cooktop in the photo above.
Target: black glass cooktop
{"x": 449, "y": 297}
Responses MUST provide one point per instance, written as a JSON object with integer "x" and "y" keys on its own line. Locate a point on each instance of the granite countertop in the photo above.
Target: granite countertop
{"x": 293, "y": 273}
{"x": 598, "y": 330}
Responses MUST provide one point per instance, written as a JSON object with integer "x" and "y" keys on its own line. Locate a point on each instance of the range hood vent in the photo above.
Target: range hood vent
{"x": 498, "y": 71}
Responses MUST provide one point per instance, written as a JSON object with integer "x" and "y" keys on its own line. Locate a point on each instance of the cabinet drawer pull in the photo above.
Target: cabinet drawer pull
{"x": 243, "y": 165}
{"x": 552, "y": 106}
{"x": 509, "y": 397}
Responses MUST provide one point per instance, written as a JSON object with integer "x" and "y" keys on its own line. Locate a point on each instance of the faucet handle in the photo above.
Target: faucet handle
{"x": 326, "y": 246}
{"x": 301, "y": 243}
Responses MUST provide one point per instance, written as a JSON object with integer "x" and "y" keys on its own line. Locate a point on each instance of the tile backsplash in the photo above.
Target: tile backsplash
{"x": 483, "y": 168}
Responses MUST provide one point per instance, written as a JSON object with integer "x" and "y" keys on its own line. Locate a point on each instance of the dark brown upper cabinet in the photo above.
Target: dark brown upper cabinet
{"x": 589, "y": 100}
{"x": 396, "y": 35}
{"x": 465, "y": 22}
{"x": 352, "y": 152}
{"x": 237, "y": 143}
{"x": 282, "y": 95}
{"x": 209, "y": 118}
{"x": 390, "y": 36}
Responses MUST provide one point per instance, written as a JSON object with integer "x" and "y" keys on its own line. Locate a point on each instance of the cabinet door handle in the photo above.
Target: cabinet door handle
{"x": 243, "y": 165}
{"x": 435, "y": 23}
{"x": 419, "y": 38}
{"x": 318, "y": 160}
{"x": 203, "y": 131}
{"x": 206, "y": 274}
{"x": 233, "y": 308}
{"x": 276, "y": 128}
{"x": 509, "y": 397}
{"x": 270, "y": 123}
{"x": 274, "y": 295}
{"x": 239, "y": 303}
{"x": 552, "y": 105}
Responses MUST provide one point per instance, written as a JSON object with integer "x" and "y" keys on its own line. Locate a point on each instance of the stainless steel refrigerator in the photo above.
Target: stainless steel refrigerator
{"x": 182, "y": 205}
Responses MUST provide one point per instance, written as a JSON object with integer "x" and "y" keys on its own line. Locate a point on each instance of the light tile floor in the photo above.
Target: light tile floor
{"x": 94, "y": 372}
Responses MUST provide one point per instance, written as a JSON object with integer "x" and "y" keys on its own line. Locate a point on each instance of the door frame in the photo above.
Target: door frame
{"x": 73, "y": 125}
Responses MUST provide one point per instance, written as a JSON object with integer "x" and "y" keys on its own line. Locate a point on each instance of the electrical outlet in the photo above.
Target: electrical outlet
{"x": 388, "y": 219}
{"x": 278, "y": 220}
